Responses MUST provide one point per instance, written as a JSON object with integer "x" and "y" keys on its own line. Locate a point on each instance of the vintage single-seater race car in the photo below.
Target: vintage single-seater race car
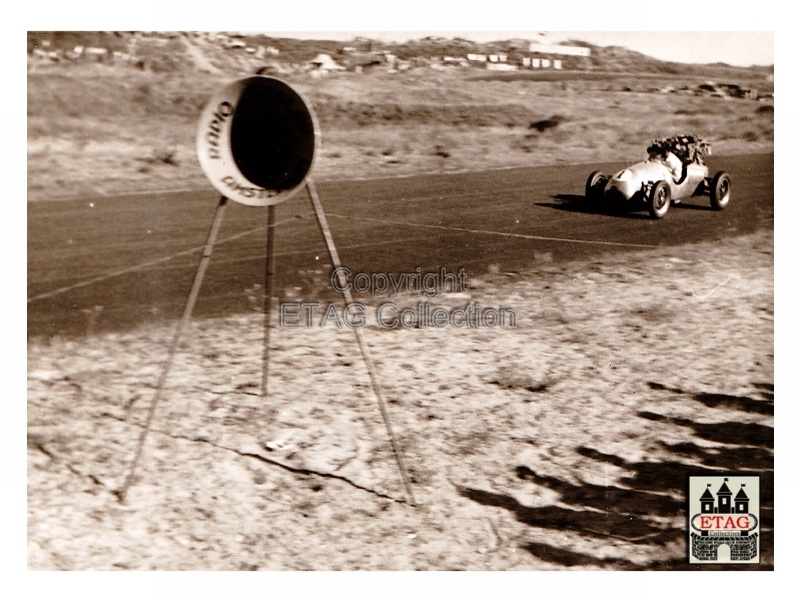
{"x": 674, "y": 170}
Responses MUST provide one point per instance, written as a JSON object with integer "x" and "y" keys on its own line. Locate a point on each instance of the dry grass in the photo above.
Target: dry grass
{"x": 374, "y": 124}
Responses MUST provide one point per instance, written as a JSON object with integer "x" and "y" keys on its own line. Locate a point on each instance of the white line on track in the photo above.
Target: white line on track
{"x": 506, "y": 234}
{"x": 287, "y": 253}
{"x": 195, "y": 249}
{"x": 113, "y": 274}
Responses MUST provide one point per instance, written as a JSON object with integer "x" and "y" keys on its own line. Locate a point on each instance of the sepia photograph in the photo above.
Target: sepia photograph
{"x": 432, "y": 300}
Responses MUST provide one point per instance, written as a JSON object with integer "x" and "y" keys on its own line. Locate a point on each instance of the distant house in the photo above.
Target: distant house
{"x": 324, "y": 62}
{"x": 557, "y": 56}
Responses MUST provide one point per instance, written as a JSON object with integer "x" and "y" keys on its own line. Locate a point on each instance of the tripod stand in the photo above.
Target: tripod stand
{"x": 269, "y": 282}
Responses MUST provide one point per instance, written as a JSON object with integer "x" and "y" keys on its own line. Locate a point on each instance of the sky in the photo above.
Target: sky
{"x": 675, "y": 30}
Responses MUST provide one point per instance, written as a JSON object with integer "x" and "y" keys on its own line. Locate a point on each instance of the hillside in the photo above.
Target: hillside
{"x": 177, "y": 50}
{"x": 117, "y": 111}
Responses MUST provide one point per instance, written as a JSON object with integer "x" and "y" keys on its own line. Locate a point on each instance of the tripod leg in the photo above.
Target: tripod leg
{"x": 187, "y": 313}
{"x": 326, "y": 233}
{"x": 268, "y": 284}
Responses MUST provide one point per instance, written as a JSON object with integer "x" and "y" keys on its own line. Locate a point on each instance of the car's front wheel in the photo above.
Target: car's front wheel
{"x": 595, "y": 185}
{"x": 720, "y": 190}
{"x": 658, "y": 202}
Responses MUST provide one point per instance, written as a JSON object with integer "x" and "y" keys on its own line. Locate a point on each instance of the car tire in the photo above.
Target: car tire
{"x": 720, "y": 190}
{"x": 659, "y": 199}
{"x": 595, "y": 185}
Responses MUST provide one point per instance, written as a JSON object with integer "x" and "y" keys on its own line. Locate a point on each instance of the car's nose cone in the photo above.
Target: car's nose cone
{"x": 621, "y": 187}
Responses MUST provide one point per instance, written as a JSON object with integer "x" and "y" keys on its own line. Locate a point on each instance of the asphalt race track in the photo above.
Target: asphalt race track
{"x": 130, "y": 260}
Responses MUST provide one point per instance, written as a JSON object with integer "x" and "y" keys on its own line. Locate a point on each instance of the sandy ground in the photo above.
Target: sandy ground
{"x": 561, "y": 443}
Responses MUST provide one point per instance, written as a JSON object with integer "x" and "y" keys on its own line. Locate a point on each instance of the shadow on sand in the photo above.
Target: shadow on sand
{"x": 633, "y": 509}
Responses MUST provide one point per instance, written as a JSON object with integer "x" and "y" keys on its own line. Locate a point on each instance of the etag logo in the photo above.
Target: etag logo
{"x": 724, "y": 523}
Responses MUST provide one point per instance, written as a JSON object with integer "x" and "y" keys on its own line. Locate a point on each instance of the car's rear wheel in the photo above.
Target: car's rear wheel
{"x": 595, "y": 186}
{"x": 720, "y": 191}
{"x": 658, "y": 202}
